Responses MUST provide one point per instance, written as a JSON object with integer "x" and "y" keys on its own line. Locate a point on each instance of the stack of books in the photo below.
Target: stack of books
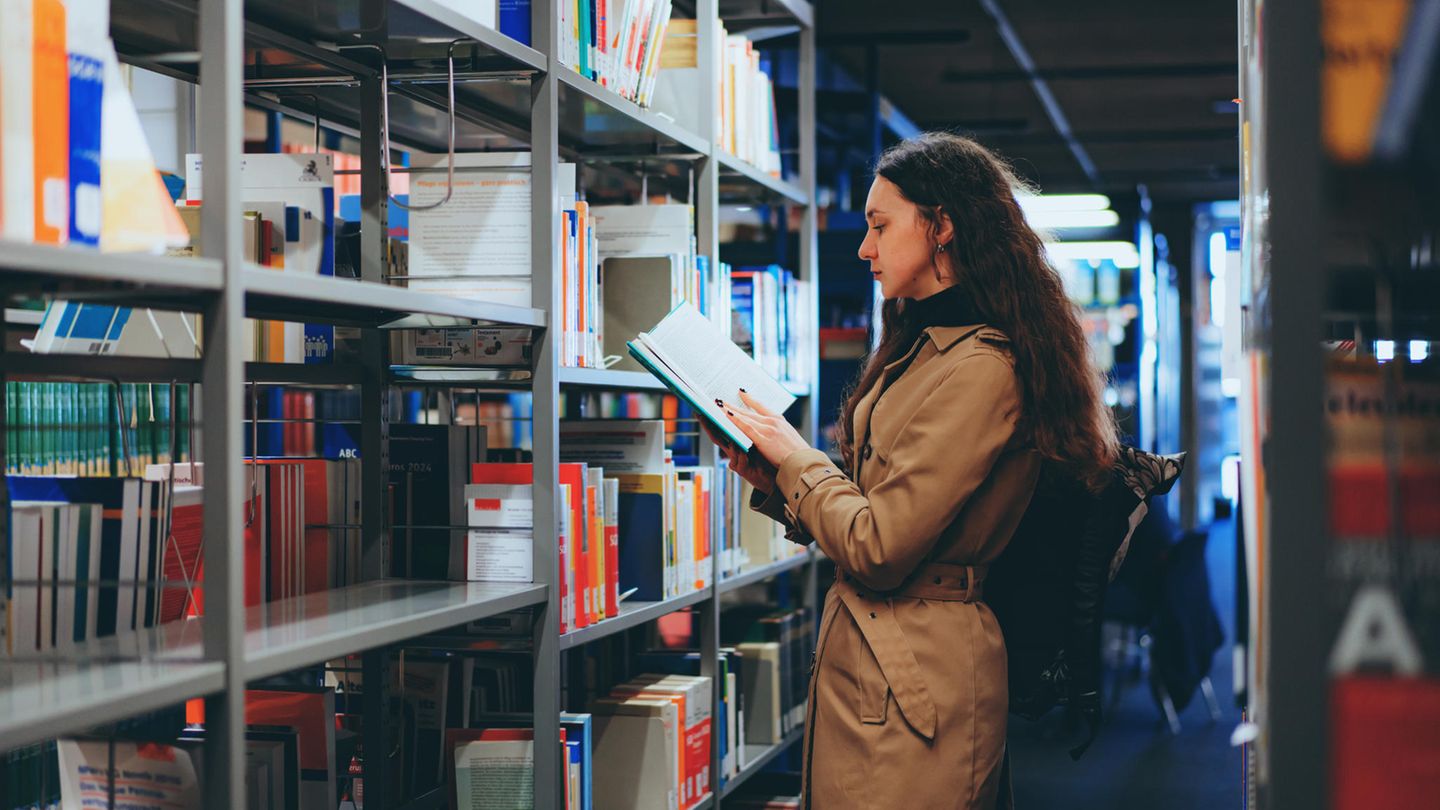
{"x": 93, "y": 429}
{"x": 289, "y": 227}
{"x": 744, "y": 122}
{"x": 771, "y": 321}
{"x": 652, "y": 737}
{"x": 774, "y": 647}
{"x": 650, "y": 265}
{"x": 615, "y": 43}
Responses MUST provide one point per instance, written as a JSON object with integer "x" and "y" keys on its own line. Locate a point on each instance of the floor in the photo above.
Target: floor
{"x": 1136, "y": 764}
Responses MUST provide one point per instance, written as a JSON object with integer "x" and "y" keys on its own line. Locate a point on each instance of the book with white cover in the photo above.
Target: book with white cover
{"x": 17, "y": 111}
{"x": 690, "y": 355}
{"x": 618, "y": 445}
{"x": 502, "y": 532}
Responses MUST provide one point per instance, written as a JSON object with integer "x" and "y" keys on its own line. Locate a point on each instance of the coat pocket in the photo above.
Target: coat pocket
{"x": 874, "y": 689}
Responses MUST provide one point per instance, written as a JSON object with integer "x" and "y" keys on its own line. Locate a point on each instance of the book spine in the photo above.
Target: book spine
{"x": 87, "y": 88}
{"x": 17, "y": 111}
{"x": 51, "y": 124}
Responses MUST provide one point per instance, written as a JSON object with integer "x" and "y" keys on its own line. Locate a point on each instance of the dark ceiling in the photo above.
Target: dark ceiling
{"x": 1147, "y": 85}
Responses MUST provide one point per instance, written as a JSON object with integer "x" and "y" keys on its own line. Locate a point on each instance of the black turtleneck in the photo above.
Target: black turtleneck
{"x": 949, "y": 307}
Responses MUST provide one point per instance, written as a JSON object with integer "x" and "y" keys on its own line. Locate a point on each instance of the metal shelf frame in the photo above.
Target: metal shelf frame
{"x": 521, "y": 94}
{"x": 633, "y": 614}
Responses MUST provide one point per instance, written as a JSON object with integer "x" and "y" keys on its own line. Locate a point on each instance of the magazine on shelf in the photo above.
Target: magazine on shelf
{"x": 690, "y": 355}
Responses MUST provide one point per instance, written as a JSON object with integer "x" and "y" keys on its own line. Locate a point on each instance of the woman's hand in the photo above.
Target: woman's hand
{"x": 774, "y": 437}
{"x": 757, "y": 471}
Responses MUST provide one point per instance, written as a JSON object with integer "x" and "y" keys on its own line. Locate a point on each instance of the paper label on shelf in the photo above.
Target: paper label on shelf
{"x": 497, "y": 555}
{"x": 500, "y": 506}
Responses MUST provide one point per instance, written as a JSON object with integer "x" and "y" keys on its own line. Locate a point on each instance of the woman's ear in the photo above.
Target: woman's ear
{"x": 944, "y": 228}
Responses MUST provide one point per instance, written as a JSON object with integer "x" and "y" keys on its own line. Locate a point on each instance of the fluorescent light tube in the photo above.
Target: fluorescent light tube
{"x": 1034, "y": 204}
{"x": 1125, "y": 255}
{"x": 1062, "y": 220}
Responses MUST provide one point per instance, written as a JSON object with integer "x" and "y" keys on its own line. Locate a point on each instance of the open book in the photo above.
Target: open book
{"x": 689, "y": 354}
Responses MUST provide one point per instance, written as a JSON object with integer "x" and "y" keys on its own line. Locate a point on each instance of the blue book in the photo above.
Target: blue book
{"x": 515, "y": 20}
{"x": 642, "y": 536}
{"x": 579, "y": 740}
{"x": 87, "y": 88}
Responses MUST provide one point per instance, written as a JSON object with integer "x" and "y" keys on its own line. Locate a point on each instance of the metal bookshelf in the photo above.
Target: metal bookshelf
{"x": 1336, "y": 249}
{"x": 335, "y": 60}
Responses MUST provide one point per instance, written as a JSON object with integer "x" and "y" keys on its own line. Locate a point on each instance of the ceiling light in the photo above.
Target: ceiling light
{"x": 1061, "y": 220}
{"x": 1124, "y": 254}
{"x": 1384, "y": 350}
{"x": 1036, "y": 203}
{"x": 1419, "y": 350}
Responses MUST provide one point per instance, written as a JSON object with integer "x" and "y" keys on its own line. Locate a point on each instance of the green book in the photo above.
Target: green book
{"x": 12, "y": 431}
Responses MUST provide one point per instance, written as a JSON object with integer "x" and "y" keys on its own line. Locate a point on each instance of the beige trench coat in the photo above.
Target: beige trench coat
{"x": 908, "y": 696}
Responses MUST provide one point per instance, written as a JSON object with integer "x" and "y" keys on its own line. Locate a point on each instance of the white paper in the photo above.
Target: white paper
{"x": 484, "y": 229}
{"x": 498, "y": 555}
{"x": 495, "y": 775}
{"x": 153, "y": 776}
{"x": 500, "y": 506}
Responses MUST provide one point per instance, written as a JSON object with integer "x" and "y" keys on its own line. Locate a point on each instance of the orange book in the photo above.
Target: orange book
{"x": 51, "y": 124}
{"x": 582, "y": 323}
{"x": 595, "y": 522}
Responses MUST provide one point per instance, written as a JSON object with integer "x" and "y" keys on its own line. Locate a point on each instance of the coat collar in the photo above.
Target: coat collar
{"x": 946, "y": 336}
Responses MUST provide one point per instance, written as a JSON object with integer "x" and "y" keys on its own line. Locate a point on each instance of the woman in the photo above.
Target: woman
{"x": 981, "y": 376}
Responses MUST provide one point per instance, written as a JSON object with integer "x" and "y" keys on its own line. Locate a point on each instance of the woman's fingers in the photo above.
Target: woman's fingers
{"x": 754, "y": 404}
{"x": 748, "y": 424}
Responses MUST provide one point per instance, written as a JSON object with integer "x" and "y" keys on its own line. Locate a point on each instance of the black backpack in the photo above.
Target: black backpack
{"x": 1047, "y": 588}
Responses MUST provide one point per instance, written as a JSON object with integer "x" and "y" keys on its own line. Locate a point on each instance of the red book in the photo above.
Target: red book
{"x": 521, "y": 474}
{"x": 573, "y": 475}
{"x": 1385, "y": 752}
{"x": 307, "y": 429}
{"x": 317, "y": 515}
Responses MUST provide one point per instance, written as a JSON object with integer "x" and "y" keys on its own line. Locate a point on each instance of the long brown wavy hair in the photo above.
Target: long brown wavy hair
{"x": 1001, "y": 266}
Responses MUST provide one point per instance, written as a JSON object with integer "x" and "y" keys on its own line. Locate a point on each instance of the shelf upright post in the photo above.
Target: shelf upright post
{"x": 1296, "y": 682}
{"x": 809, "y": 270}
{"x": 545, "y": 295}
{"x": 374, "y": 415}
{"x": 706, "y": 201}
{"x": 809, "y": 223}
{"x": 221, "y": 25}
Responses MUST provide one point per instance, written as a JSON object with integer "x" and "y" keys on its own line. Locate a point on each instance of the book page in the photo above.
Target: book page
{"x": 484, "y": 230}
{"x": 712, "y": 367}
{"x": 495, "y": 775}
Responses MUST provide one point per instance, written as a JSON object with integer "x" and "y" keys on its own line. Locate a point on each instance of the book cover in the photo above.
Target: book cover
{"x": 17, "y": 121}
{"x": 87, "y": 31}
{"x": 643, "y": 562}
{"x": 51, "y": 80}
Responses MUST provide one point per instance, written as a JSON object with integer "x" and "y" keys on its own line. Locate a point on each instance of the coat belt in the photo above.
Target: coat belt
{"x": 874, "y": 614}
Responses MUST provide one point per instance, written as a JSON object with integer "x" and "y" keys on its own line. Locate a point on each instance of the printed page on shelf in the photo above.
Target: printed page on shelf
{"x": 690, "y": 355}
{"x": 476, "y": 245}
{"x": 617, "y": 445}
{"x": 158, "y": 777}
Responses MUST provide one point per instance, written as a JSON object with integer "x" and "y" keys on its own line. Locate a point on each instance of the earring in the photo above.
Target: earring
{"x": 939, "y": 247}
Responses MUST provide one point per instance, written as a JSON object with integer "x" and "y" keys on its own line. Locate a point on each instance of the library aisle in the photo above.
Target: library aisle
{"x": 363, "y": 364}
